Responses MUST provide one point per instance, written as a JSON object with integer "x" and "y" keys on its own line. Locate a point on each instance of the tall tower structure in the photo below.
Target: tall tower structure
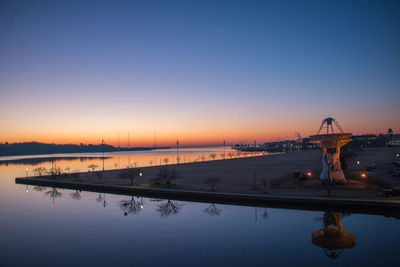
{"x": 330, "y": 143}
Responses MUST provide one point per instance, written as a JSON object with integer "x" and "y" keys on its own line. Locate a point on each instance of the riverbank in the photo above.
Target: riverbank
{"x": 270, "y": 174}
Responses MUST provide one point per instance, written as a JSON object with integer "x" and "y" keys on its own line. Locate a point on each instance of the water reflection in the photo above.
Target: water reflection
{"x": 168, "y": 208}
{"x": 332, "y": 238}
{"x": 101, "y": 198}
{"x": 36, "y": 161}
{"x": 53, "y": 193}
{"x": 76, "y": 195}
{"x": 212, "y": 210}
{"x": 264, "y": 215}
{"x": 131, "y": 206}
{"x": 39, "y": 188}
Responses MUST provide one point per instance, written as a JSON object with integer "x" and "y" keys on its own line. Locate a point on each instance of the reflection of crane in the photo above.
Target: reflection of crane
{"x": 330, "y": 144}
{"x": 332, "y": 238}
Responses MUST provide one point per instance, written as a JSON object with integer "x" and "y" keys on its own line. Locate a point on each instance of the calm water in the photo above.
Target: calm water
{"x": 56, "y": 227}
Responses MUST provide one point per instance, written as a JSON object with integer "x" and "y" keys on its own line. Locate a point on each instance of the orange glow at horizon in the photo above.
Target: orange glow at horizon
{"x": 232, "y": 134}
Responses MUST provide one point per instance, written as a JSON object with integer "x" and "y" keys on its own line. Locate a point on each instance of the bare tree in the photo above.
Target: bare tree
{"x": 230, "y": 154}
{"x": 213, "y": 156}
{"x": 67, "y": 169}
{"x": 238, "y": 153}
{"x": 222, "y": 155}
{"x": 54, "y": 171}
{"x": 166, "y": 160}
{"x": 165, "y": 175}
{"x": 212, "y": 210}
{"x": 130, "y": 206}
{"x": 131, "y": 173}
{"x": 151, "y": 163}
{"x": 40, "y": 171}
{"x": 168, "y": 209}
{"x": 93, "y": 166}
{"x": 212, "y": 181}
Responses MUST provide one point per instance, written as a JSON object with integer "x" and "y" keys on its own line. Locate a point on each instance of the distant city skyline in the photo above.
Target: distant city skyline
{"x": 198, "y": 71}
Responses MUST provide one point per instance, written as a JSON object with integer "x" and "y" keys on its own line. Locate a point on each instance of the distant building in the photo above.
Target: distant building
{"x": 279, "y": 146}
{"x": 365, "y": 137}
{"x": 395, "y": 140}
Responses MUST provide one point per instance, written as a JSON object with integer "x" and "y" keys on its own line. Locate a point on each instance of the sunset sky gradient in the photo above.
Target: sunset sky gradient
{"x": 197, "y": 71}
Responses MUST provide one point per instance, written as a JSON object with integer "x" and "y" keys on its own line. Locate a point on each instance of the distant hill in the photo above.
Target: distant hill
{"x": 34, "y": 148}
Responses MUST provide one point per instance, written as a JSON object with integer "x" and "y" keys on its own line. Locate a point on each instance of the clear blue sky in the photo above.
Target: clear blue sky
{"x": 197, "y": 69}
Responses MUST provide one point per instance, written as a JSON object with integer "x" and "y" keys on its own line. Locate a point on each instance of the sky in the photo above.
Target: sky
{"x": 197, "y": 71}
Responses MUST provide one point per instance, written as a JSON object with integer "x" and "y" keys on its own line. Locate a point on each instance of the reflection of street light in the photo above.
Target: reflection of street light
{"x": 27, "y": 189}
{"x": 140, "y": 174}
{"x": 309, "y": 173}
{"x": 26, "y": 171}
{"x": 358, "y": 162}
{"x": 363, "y": 175}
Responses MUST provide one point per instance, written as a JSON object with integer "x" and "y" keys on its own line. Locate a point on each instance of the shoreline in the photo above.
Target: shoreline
{"x": 389, "y": 208}
{"x": 243, "y": 176}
